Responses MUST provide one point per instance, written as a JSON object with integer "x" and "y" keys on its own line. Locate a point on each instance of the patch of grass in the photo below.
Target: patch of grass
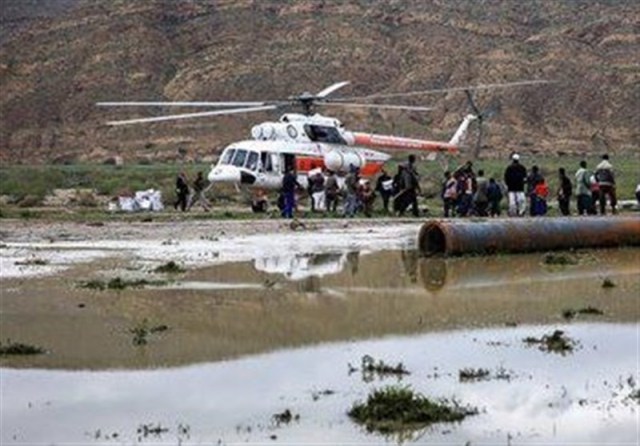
{"x": 470, "y": 374}
{"x": 143, "y": 330}
{"x": 19, "y": 349}
{"x": 571, "y": 313}
{"x": 34, "y": 261}
{"x": 119, "y": 284}
{"x": 608, "y": 283}
{"x": 147, "y": 430}
{"x": 397, "y": 409}
{"x": 559, "y": 259}
{"x": 285, "y": 417}
{"x": 316, "y": 395}
{"x": 370, "y": 369}
{"x": 170, "y": 267}
{"x": 556, "y": 342}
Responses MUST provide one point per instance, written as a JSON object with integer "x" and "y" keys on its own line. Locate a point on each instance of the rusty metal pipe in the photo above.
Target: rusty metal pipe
{"x": 458, "y": 237}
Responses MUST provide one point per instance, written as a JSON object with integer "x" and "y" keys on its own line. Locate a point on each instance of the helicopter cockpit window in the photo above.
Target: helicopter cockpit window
{"x": 239, "y": 158}
{"x": 319, "y": 133}
{"x": 252, "y": 161}
{"x": 227, "y": 156}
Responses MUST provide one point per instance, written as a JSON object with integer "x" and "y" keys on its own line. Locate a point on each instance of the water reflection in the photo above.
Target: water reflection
{"x": 549, "y": 399}
{"x": 235, "y": 309}
{"x": 303, "y": 265}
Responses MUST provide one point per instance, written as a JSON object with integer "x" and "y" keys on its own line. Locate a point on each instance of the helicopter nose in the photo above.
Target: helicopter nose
{"x": 224, "y": 174}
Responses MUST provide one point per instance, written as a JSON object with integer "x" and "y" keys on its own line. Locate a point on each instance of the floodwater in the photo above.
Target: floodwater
{"x": 252, "y": 338}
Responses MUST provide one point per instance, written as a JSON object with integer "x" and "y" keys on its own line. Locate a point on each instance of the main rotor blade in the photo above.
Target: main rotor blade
{"x": 382, "y": 106}
{"x": 446, "y": 90}
{"x": 180, "y": 104}
{"x": 192, "y": 115}
{"x": 327, "y": 91}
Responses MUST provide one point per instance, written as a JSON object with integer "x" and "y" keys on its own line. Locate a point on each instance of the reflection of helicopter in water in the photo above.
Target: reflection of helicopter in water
{"x": 308, "y": 141}
{"x": 302, "y": 266}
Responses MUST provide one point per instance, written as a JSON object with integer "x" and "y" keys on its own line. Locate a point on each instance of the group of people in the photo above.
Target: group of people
{"x": 356, "y": 194}
{"x": 464, "y": 193}
{"x": 187, "y": 196}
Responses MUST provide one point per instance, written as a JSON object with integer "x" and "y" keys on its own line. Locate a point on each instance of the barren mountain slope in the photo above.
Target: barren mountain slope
{"x": 58, "y": 62}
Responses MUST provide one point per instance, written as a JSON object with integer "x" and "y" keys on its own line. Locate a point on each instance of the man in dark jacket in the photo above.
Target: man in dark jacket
{"x": 384, "y": 186}
{"x": 514, "y": 178}
{"x": 289, "y": 185}
{"x": 565, "y": 189}
{"x": 182, "y": 192}
{"x": 411, "y": 181}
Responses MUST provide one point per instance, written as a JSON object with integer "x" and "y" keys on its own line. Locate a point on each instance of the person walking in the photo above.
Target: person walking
{"x": 411, "y": 181}
{"x": 514, "y": 177}
{"x": 541, "y": 192}
{"x": 494, "y": 194}
{"x": 289, "y": 186}
{"x": 480, "y": 197}
{"x": 318, "y": 195}
{"x": 583, "y": 189}
{"x": 449, "y": 194}
{"x": 182, "y": 192}
{"x": 198, "y": 195}
{"x": 607, "y": 184}
{"x": 533, "y": 179}
{"x": 332, "y": 191}
{"x": 384, "y": 186}
{"x": 351, "y": 191}
{"x": 565, "y": 189}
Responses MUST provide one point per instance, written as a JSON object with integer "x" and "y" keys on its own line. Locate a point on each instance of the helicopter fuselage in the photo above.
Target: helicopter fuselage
{"x": 306, "y": 143}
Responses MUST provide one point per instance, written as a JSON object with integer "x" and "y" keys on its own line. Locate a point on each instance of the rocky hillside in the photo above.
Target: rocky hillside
{"x": 59, "y": 57}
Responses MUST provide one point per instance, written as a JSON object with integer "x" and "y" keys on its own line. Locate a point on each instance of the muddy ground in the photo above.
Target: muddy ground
{"x": 269, "y": 314}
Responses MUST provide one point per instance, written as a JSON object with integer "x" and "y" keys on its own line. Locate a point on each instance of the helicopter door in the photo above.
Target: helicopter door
{"x": 289, "y": 161}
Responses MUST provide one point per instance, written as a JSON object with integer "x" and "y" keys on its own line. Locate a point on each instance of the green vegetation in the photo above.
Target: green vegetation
{"x": 119, "y": 283}
{"x": 396, "y": 409}
{"x": 285, "y": 417}
{"x": 571, "y": 313}
{"x": 35, "y": 182}
{"x": 370, "y": 369}
{"x": 143, "y": 330}
{"x": 470, "y": 374}
{"x": 608, "y": 283}
{"x": 559, "y": 259}
{"x": 26, "y": 186}
{"x": 17, "y": 348}
{"x": 34, "y": 261}
{"x": 556, "y": 342}
{"x": 147, "y": 430}
{"x": 170, "y": 267}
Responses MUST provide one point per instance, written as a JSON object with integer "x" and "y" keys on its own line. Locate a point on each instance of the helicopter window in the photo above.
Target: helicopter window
{"x": 319, "y": 133}
{"x": 252, "y": 161}
{"x": 239, "y": 158}
{"x": 227, "y": 156}
{"x": 266, "y": 162}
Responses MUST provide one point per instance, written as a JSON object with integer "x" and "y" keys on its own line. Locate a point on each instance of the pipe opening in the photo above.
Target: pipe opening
{"x": 433, "y": 240}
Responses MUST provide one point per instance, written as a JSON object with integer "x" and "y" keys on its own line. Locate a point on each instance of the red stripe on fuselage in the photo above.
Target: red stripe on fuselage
{"x": 394, "y": 142}
{"x": 306, "y": 163}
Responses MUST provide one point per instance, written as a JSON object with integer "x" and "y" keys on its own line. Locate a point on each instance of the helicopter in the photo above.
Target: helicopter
{"x": 309, "y": 142}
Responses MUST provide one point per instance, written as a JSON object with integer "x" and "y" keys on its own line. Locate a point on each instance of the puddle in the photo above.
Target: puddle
{"x": 268, "y": 324}
{"x": 548, "y": 399}
{"x": 224, "y": 311}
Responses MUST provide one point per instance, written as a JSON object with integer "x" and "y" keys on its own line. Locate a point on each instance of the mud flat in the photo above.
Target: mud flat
{"x": 256, "y": 319}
